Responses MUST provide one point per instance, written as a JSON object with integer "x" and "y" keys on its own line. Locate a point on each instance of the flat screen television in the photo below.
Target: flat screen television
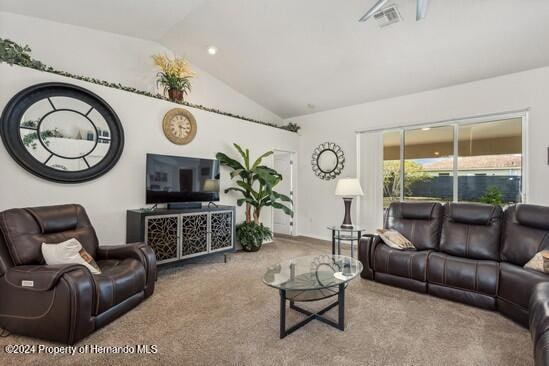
{"x": 176, "y": 179}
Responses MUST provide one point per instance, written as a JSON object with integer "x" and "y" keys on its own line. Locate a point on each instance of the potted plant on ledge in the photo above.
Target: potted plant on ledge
{"x": 174, "y": 77}
{"x": 255, "y": 183}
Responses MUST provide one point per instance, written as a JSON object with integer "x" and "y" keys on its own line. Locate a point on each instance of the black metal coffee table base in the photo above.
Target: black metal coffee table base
{"x": 310, "y": 315}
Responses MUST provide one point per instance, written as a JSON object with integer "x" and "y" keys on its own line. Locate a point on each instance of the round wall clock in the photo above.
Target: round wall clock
{"x": 179, "y": 126}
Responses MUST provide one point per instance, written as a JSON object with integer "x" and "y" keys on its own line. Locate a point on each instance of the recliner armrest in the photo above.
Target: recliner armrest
{"x": 123, "y": 251}
{"x": 366, "y": 246}
{"x": 38, "y": 277}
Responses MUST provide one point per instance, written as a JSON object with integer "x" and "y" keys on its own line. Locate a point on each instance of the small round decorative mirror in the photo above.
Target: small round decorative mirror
{"x": 62, "y": 132}
{"x": 328, "y": 160}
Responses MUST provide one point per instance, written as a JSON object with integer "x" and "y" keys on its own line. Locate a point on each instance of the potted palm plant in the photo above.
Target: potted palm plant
{"x": 174, "y": 76}
{"x": 255, "y": 184}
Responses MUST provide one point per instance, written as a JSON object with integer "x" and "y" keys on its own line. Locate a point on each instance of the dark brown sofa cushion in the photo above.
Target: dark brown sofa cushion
{"x": 419, "y": 222}
{"x": 525, "y": 233}
{"x": 471, "y": 230}
{"x": 404, "y": 263}
{"x": 479, "y": 276}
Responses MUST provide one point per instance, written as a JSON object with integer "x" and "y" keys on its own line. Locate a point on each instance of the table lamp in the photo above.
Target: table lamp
{"x": 348, "y": 188}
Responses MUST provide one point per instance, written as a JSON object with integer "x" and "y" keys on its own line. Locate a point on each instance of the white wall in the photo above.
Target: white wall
{"x": 318, "y": 205}
{"x": 107, "y": 198}
{"x": 127, "y": 60}
{"x": 117, "y": 58}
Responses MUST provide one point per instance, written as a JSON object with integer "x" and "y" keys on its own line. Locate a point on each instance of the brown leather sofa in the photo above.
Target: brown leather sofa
{"x": 65, "y": 303}
{"x": 539, "y": 322}
{"x": 471, "y": 253}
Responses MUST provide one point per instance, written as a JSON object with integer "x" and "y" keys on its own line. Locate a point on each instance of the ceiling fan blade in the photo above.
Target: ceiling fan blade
{"x": 373, "y": 10}
{"x": 421, "y": 9}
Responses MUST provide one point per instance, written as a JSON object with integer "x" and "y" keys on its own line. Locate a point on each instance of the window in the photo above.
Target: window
{"x": 427, "y": 151}
{"x": 489, "y": 166}
{"x": 391, "y": 167}
{"x": 471, "y": 162}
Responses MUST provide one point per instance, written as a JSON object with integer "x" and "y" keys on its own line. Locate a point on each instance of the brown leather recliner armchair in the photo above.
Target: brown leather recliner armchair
{"x": 65, "y": 303}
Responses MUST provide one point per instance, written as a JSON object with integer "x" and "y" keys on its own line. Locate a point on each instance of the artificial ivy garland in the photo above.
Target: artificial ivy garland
{"x": 14, "y": 54}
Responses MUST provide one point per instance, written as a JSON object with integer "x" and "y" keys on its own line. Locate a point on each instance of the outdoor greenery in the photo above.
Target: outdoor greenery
{"x": 493, "y": 196}
{"x": 413, "y": 171}
{"x": 255, "y": 183}
{"x": 15, "y": 54}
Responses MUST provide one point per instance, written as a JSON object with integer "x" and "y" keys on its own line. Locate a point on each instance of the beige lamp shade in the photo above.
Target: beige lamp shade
{"x": 348, "y": 187}
{"x": 211, "y": 185}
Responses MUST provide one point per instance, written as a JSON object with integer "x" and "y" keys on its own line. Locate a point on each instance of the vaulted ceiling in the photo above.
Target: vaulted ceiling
{"x": 300, "y": 56}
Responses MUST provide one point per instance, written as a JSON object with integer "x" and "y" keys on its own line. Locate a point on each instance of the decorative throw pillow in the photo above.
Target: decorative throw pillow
{"x": 396, "y": 240}
{"x": 539, "y": 262}
{"x": 69, "y": 252}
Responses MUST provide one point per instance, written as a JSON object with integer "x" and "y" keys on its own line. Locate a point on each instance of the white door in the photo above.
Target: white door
{"x": 283, "y": 164}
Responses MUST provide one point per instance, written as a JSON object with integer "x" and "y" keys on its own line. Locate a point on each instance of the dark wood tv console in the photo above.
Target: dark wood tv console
{"x": 178, "y": 234}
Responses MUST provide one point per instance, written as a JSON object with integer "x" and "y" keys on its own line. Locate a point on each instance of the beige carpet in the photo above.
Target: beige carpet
{"x": 222, "y": 314}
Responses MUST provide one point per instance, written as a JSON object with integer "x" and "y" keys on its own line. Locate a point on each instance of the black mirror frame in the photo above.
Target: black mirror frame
{"x": 340, "y": 164}
{"x": 10, "y": 131}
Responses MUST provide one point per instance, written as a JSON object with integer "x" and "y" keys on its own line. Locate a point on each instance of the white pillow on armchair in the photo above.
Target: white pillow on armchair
{"x": 69, "y": 252}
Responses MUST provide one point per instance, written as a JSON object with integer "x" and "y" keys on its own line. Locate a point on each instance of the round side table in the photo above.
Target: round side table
{"x": 347, "y": 234}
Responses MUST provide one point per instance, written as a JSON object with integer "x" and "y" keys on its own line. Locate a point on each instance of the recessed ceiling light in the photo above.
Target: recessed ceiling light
{"x": 437, "y": 153}
{"x": 426, "y": 128}
{"x": 212, "y": 50}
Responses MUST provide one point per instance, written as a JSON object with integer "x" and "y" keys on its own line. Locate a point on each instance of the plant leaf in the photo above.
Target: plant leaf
{"x": 258, "y": 160}
{"x": 286, "y": 209}
{"x": 282, "y": 197}
{"x": 225, "y": 160}
{"x": 244, "y": 156}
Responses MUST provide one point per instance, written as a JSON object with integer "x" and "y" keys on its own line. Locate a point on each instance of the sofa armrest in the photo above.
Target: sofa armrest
{"x": 538, "y": 311}
{"x": 139, "y": 251}
{"x": 39, "y": 277}
{"x": 366, "y": 246}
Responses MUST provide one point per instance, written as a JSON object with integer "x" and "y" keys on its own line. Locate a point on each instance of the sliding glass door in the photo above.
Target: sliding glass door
{"x": 473, "y": 162}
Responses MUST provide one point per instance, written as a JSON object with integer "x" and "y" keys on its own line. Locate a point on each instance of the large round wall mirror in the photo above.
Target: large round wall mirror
{"x": 328, "y": 160}
{"x": 62, "y": 132}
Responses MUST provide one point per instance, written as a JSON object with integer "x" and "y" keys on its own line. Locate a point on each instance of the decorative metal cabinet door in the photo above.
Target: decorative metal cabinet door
{"x": 221, "y": 230}
{"x": 161, "y": 234}
{"x": 194, "y": 234}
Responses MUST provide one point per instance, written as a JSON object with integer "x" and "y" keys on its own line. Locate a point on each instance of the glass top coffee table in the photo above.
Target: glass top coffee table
{"x": 312, "y": 278}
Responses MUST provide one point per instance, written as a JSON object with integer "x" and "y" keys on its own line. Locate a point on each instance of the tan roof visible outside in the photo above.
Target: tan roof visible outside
{"x": 477, "y": 163}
